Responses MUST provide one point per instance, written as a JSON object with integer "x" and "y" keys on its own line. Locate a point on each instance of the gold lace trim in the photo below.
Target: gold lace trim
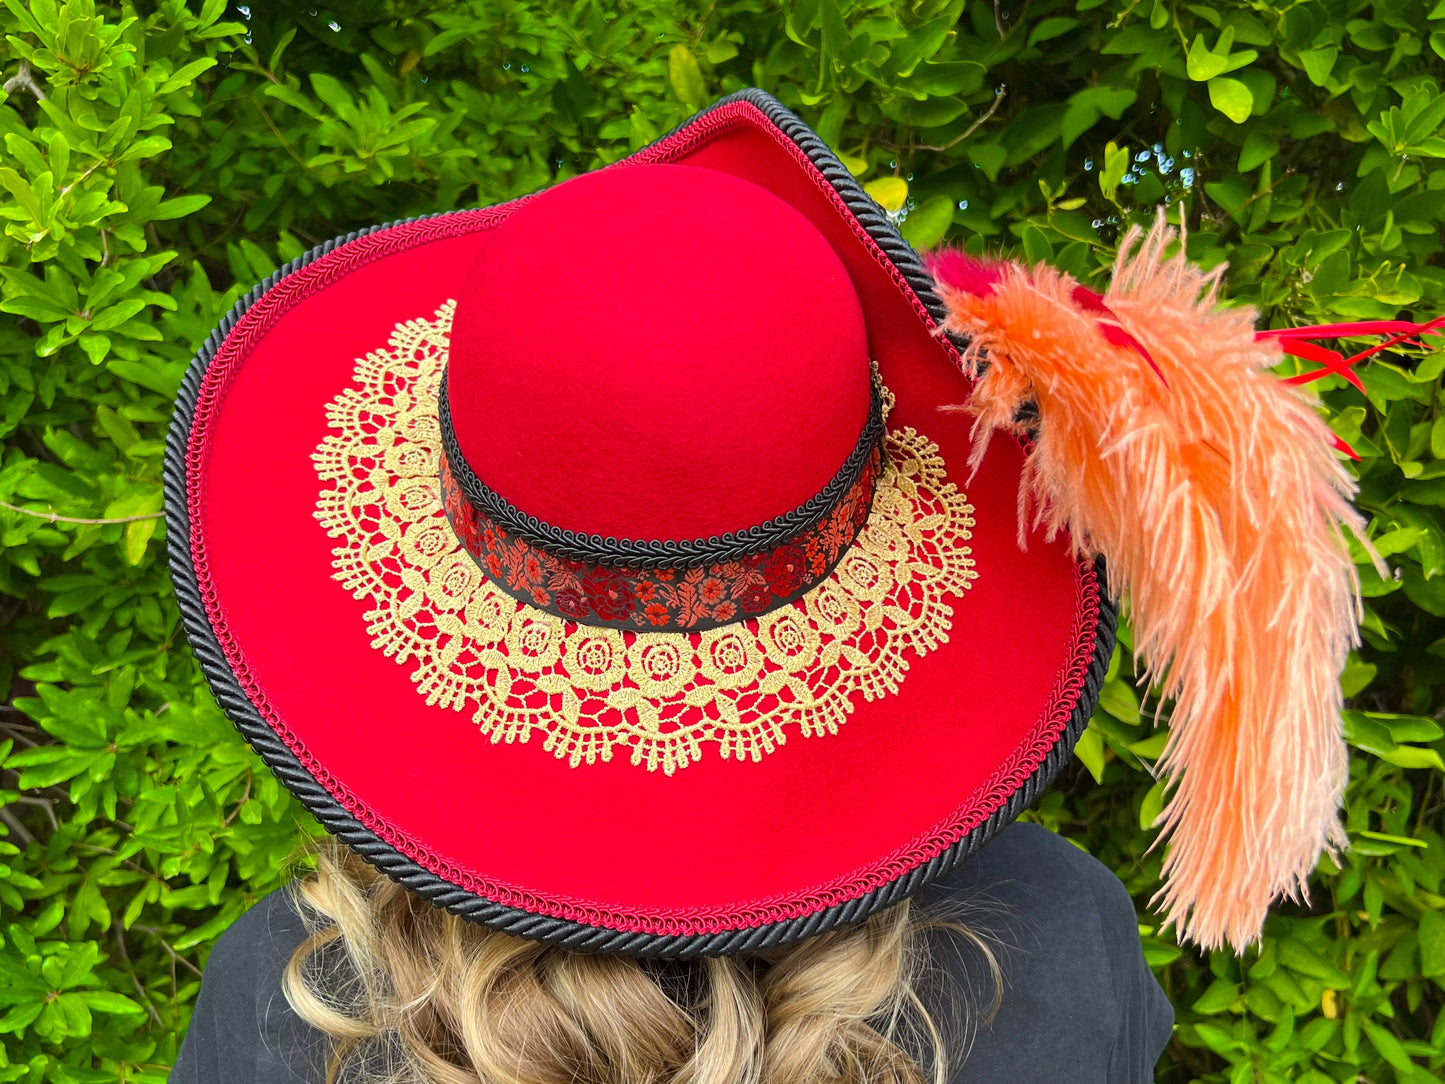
{"x": 592, "y": 691}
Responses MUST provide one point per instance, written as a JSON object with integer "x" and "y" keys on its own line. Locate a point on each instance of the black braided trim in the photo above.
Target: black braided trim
{"x": 406, "y": 871}
{"x": 595, "y": 549}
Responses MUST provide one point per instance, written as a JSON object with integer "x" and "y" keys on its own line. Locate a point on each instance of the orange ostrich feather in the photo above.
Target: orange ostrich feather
{"x": 1211, "y": 487}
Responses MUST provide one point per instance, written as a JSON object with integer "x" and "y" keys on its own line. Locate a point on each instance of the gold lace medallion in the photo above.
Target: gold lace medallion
{"x": 592, "y": 691}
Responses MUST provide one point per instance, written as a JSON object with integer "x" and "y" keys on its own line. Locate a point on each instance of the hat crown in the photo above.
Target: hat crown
{"x": 658, "y": 352}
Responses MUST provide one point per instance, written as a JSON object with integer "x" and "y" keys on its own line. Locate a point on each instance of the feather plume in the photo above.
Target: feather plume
{"x": 1211, "y": 487}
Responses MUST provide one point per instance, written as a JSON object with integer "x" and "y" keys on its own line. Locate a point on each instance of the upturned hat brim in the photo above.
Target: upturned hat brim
{"x": 503, "y": 821}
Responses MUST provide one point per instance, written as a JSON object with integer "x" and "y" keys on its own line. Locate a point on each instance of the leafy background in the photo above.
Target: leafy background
{"x": 159, "y": 157}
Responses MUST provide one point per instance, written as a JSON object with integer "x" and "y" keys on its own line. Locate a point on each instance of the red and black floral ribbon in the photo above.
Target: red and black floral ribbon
{"x": 661, "y": 586}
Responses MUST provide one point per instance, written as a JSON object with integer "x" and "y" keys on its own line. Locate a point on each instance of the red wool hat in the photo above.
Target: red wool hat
{"x": 607, "y": 567}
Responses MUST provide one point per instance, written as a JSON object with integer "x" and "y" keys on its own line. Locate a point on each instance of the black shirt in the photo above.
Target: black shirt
{"x": 1079, "y": 1005}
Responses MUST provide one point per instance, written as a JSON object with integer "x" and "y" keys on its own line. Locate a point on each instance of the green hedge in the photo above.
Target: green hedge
{"x": 160, "y": 157}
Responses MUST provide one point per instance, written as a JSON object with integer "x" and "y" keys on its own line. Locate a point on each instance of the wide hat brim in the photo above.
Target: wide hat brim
{"x": 724, "y": 854}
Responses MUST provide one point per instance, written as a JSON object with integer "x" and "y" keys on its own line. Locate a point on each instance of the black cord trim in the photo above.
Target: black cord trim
{"x": 595, "y": 549}
{"x": 573, "y": 935}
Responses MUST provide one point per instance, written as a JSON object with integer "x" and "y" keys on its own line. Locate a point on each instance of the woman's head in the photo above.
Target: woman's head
{"x": 407, "y": 992}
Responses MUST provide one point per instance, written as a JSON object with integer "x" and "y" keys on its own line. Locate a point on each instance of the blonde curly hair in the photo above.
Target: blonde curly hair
{"x": 409, "y": 993}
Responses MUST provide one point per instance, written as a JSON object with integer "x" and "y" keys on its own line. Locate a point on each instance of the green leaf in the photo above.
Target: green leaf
{"x": 889, "y": 192}
{"x": 1088, "y": 105}
{"x": 1369, "y": 203}
{"x": 1318, "y": 63}
{"x": 1357, "y": 676}
{"x": 939, "y": 82}
{"x": 1157, "y": 955}
{"x": 1220, "y": 1041}
{"x": 989, "y": 157}
{"x": 1051, "y": 28}
{"x": 1389, "y": 1048}
{"x": 835, "y": 31}
{"x": 1203, "y": 65}
{"x": 279, "y": 50}
{"x": 1133, "y": 40}
{"x": 20, "y": 188}
{"x": 148, "y": 147}
{"x": 18, "y": 983}
{"x": 1074, "y": 226}
{"x": 1399, "y": 841}
{"x": 107, "y": 1001}
{"x": 212, "y": 928}
{"x": 48, "y": 918}
{"x": 1220, "y": 996}
{"x": 1149, "y": 811}
{"x": 152, "y": 374}
{"x": 720, "y": 52}
{"x": 120, "y": 431}
{"x": 1400, "y": 540}
{"x": 73, "y": 601}
{"x": 927, "y": 224}
{"x": 1259, "y": 147}
{"x": 1089, "y": 750}
{"x": 1152, "y": 747}
{"x": 1404, "y": 728}
{"x": 112, "y": 316}
{"x": 179, "y": 207}
{"x": 20, "y": 10}
{"x": 1412, "y": 756}
{"x": 1120, "y": 700}
{"x": 1432, "y": 944}
{"x": 21, "y": 1016}
{"x": 330, "y": 91}
{"x": 445, "y": 39}
{"x": 1232, "y": 98}
{"x": 1033, "y": 132}
{"x": 26, "y": 154}
{"x": 294, "y": 99}
{"x": 685, "y": 77}
{"x": 801, "y": 19}
{"x": 1299, "y": 957}
{"x": 186, "y": 74}
{"x": 137, "y": 536}
{"x": 75, "y": 1014}
{"x": 1036, "y": 245}
{"x": 1116, "y": 164}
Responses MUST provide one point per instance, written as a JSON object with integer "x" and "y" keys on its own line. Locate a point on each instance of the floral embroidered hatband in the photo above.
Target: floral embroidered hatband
{"x": 660, "y": 599}
{"x": 590, "y": 693}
